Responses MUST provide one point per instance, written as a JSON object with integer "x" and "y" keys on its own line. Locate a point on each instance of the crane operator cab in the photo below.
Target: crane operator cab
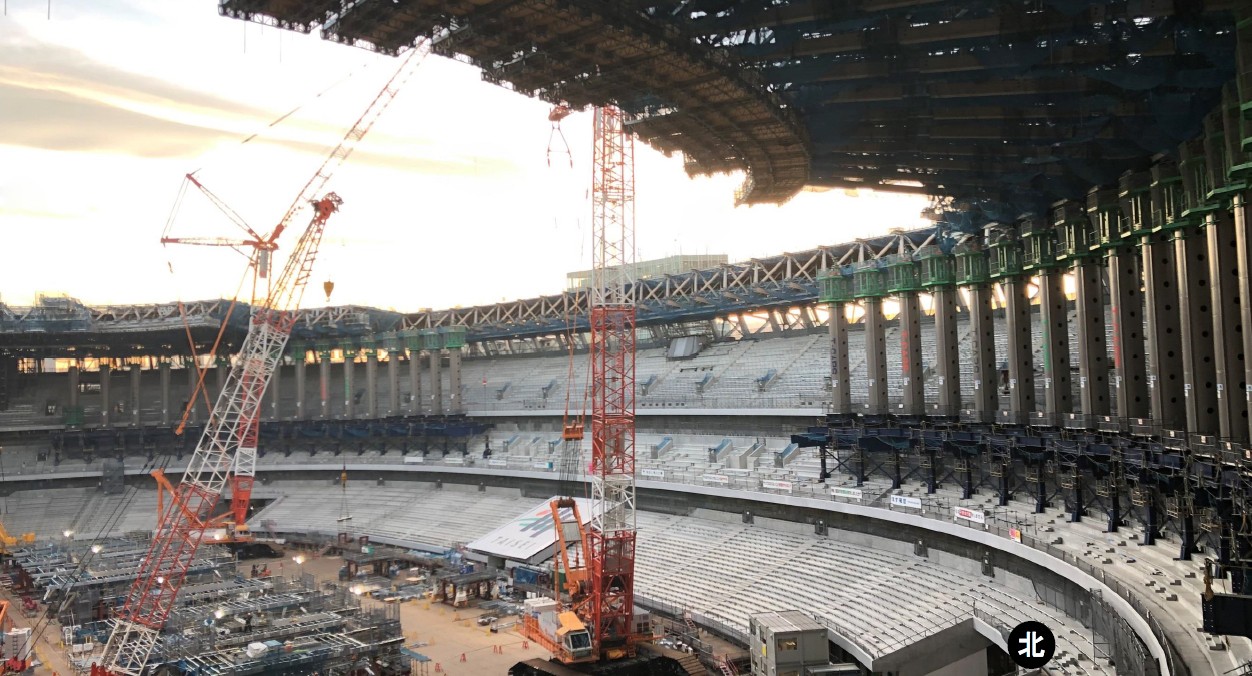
{"x": 573, "y": 635}
{"x": 560, "y": 631}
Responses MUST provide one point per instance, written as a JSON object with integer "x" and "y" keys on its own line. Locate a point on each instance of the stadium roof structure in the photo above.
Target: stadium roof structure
{"x": 60, "y": 326}
{"x": 1012, "y": 102}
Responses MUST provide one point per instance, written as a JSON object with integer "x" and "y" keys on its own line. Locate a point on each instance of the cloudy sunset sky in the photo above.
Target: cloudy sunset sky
{"x": 105, "y": 106}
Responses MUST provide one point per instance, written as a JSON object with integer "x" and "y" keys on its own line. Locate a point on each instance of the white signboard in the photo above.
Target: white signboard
{"x": 716, "y": 479}
{"x": 973, "y": 515}
{"x": 498, "y": 463}
{"x": 653, "y": 473}
{"x": 543, "y": 465}
{"x": 776, "y": 485}
{"x": 414, "y": 459}
{"x": 906, "y": 501}
{"x": 454, "y": 461}
{"x": 849, "y": 493}
{"x": 527, "y": 535}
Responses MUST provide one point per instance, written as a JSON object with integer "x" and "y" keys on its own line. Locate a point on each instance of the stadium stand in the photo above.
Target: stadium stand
{"x": 878, "y": 596}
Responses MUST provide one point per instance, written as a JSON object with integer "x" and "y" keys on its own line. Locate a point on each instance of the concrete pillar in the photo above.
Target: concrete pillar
{"x": 323, "y": 379}
{"x": 1243, "y": 242}
{"x": 840, "y": 385}
{"x": 875, "y": 357}
{"x": 219, "y": 376}
{"x": 371, "y": 383}
{"x": 911, "y": 354}
{"x": 193, "y": 397}
{"x": 947, "y": 355}
{"x": 986, "y": 399}
{"x": 135, "y": 375}
{"x": 1020, "y": 353}
{"x": 165, "y": 392}
{"x": 436, "y": 383}
{"x": 1232, "y": 410}
{"x": 415, "y": 381}
{"x": 1054, "y": 319}
{"x": 75, "y": 379}
{"x": 393, "y": 382}
{"x": 1092, "y": 352}
{"x": 454, "y": 382}
{"x": 1164, "y": 334}
{"x": 274, "y": 391}
{"x": 1199, "y": 376}
{"x": 349, "y": 384}
{"x": 105, "y": 402}
{"x": 1130, "y": 377}
{"x": 302, "y": 368}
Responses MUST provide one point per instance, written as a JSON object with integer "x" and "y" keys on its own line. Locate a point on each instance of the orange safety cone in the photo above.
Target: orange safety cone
{"x": 462, "y": 657}
{"x": 438, "y": 668}
{"x": 525, "y": 645}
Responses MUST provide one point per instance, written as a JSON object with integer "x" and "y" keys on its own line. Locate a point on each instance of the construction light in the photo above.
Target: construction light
{"x": 67, "y": 533}
{"x": 298, "y": 559}
{"x": 96, "y": 549}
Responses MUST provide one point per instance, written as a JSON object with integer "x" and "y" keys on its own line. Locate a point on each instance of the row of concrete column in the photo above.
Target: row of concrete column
{"x": 106, "y": 405}
{"x": 429, "y": 378}
{"x": 1174, "y": 301}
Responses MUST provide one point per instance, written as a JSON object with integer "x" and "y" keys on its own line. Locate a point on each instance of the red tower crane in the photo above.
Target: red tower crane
{"x": 227, "y": 449}
{"x": 611, "y": 539}
{"x": 591, "y": 616}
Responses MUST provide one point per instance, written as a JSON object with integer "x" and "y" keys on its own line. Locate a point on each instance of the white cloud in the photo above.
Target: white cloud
{"x": 451, "y": 200}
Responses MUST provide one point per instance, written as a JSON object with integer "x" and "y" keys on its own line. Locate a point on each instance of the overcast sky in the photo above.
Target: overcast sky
{"x": 450, "y": 201}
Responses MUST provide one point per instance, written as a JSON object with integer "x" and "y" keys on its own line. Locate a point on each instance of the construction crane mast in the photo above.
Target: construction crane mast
{"x": 591, "y": 615}
{"x": 611, "y": 538}
{"x": 227, "y": 449}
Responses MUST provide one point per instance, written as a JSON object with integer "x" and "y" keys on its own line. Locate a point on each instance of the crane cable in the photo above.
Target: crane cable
{"x": 569, "y": 377}
{"x": 344, "y": 514}
{"x": 199, "y": 388}
{"x": 570, "y": 383}
{"x": 174, "y": 209}
{"x": 586, "y": 388}
{"x": 169, "y": 221}
{"x": 559, "y": 112}
{"x": 282, "y": 118}
{"x": 316, "y": 96}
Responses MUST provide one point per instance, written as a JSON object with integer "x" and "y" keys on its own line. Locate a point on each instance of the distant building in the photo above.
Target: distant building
{"x": 671, "y": 265}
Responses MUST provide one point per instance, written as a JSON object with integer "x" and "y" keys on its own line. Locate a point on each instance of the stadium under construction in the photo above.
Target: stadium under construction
{"x": 883, "y": 456}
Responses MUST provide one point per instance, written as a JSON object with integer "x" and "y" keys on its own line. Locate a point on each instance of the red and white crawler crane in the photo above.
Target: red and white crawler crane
{"x": 612, "y": 535}
{"x": 228, "y": 445}
{"x": 598, "y": 596}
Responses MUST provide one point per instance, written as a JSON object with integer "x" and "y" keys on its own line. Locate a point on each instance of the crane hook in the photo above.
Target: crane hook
{"x": 559, "y": 112}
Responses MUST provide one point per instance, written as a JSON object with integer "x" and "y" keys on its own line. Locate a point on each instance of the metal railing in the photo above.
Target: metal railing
{"x": 816, "y": 402}
{"x": 1003, "y": 522}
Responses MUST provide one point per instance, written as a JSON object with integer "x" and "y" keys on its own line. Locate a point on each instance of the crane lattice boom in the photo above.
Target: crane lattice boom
{"x": 228, "y": 444}
{"x": 612, "y": 536}
{"x": 358, "y": 131}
